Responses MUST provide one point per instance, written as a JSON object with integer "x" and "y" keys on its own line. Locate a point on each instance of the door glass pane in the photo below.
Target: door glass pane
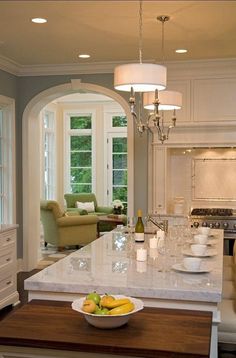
{"x": 120, "y": 177}
{"x": 119, "y": 161}
{"x": 120, "y": 145}
{"x": 119, "y": 169}
{"x": 121, "y": 193}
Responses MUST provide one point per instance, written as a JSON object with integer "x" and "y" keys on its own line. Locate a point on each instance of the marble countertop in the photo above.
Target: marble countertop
{"x": 109, "y": 265}
{"x": 7, "y": 227}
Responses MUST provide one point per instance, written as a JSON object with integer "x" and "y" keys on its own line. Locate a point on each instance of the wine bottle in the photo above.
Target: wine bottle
{"x": 139, "y": 228}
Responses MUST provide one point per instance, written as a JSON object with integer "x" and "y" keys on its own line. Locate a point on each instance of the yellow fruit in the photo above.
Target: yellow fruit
{"x": 89, "y": 306}
{"x": 117, "y": 302}
{"x": 126, "y": 308}
{"x": 106, "y": 299}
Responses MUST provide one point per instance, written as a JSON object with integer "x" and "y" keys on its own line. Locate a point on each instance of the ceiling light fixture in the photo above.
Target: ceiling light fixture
{"x": 39, "y": 20}
{"x": 84, "y": 55}
{"x": 139, "y": 77}
{"x": 181, "y": 50}
{"x": 164, "y": 100}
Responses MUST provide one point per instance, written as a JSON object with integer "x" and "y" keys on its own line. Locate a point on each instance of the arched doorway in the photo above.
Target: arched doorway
{"x": 31, "y": 157}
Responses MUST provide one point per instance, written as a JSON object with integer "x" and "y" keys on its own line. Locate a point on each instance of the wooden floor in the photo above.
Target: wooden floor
{"x": 21, "y": 276}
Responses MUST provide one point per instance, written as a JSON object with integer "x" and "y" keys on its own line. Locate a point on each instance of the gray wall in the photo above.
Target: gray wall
{"x": 23, "y": 89}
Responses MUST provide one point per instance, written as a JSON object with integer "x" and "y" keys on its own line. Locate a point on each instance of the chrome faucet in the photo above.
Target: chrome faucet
{"x": 162, "y": 225}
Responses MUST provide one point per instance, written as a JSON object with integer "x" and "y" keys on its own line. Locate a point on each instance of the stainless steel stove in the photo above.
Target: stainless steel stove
{"x": 216, "y": 218}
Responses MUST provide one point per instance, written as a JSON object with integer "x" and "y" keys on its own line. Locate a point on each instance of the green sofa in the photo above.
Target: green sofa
{"x": 71, "y": 200}
{"x": 62, "y": 229}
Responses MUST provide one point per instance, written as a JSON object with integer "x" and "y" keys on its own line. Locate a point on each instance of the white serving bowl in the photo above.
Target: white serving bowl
{"x": 200, "y": 239}
{"x": 198, "y": 249}
{"x": 107, "y": 321}
{"x": 192, "y": 263}
{"x": 204, "y": 230}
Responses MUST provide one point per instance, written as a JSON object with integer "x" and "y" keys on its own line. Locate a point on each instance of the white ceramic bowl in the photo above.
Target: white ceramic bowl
{"x": 107, "y": 321}
{"x": 198, "y": 249}
{"x": 192, "y": 263}
{"x": 200, "y": 239}
{"x": 204, "y": 230}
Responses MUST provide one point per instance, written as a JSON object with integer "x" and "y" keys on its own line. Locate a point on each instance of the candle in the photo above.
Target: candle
{"x": 153, "y": 242}
{"x": 141, "y": 254}
{"x": 141, "y": 266}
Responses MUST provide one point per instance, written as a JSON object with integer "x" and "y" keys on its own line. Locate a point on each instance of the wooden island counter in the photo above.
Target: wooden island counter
{"x": 52, "y": 329}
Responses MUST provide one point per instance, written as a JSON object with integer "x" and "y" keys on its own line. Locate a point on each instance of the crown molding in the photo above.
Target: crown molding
{"x": 176, "y": 69}
{"x": 9, "y": 66}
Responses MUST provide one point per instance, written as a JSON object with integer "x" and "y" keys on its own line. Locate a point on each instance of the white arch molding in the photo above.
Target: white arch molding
{"x": 31, "y": 159}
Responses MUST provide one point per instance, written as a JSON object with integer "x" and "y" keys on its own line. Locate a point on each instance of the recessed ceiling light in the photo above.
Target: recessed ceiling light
{"x": 181, "y": 50}
{"x": 39, "y": 20}
{"x": 84, "y": 55}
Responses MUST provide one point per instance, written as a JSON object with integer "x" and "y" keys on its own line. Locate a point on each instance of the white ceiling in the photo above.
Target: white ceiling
{"x": 108, "y": 31}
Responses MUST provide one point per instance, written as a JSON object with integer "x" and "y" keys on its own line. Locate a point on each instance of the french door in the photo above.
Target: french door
{"x": 117, "y": 167}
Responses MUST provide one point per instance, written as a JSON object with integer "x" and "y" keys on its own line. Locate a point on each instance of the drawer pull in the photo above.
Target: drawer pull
{"x": 8, "y": 259}
{"x": 8, "y": 282}
{"x": 8, "y": 239}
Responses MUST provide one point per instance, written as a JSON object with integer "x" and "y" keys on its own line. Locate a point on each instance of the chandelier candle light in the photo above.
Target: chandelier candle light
{"x": 146, "y": 77}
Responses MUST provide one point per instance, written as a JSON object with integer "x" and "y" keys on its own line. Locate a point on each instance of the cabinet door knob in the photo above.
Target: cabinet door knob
{"x": 8, "y": 239}
{"x": 8, "y": 282}
{"x": 8, "y": 259}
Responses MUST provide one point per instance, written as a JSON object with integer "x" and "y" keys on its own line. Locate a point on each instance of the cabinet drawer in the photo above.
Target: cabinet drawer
{"x": 7, "y": 257}
{"x": 7, "y": 239}
{"x": 7, "y": 284}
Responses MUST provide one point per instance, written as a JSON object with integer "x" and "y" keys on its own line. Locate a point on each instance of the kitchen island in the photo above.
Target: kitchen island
{"x": 108, "y": 265}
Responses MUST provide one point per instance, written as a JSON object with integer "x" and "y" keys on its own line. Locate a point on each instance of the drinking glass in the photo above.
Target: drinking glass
{"x": 164, "y": 255}
{"x": 131, "y": 224}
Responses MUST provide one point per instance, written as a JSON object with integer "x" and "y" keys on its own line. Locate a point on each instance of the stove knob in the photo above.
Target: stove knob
{"x": 196, "y": 224}
{"x": 217, "y": 225}
{"x": 234, "y": 226}
{"x": 204, "y": 224}
{"x": 225, "y": 225}
{"x": 211, "y": 225}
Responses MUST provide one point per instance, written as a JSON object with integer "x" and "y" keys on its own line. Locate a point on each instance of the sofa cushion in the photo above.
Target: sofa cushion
{"x": 88, "y": 206}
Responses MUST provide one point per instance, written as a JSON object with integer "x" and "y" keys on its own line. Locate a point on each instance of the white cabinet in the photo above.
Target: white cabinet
{"x": 8, "y": 279}
{"x": 214, "y": 100}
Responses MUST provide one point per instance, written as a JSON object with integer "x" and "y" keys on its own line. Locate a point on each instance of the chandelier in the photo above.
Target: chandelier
{"x": 145, "y": 80}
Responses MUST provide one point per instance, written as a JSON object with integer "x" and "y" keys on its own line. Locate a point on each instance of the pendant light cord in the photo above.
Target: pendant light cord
{"x": 162, "y": 44}
{"x": 140, "y": 31}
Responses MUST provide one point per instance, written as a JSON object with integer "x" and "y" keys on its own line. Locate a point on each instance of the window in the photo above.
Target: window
{"x": 7, "y": 149}
{"x": 80, "y": 147}
{"x": 49, "y": 155}
{"x": 117, "y": 158}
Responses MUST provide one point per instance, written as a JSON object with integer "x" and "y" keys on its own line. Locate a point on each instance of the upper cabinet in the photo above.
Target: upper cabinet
{"x": 214, "y": 99}
{"x": 208, "y": 89}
